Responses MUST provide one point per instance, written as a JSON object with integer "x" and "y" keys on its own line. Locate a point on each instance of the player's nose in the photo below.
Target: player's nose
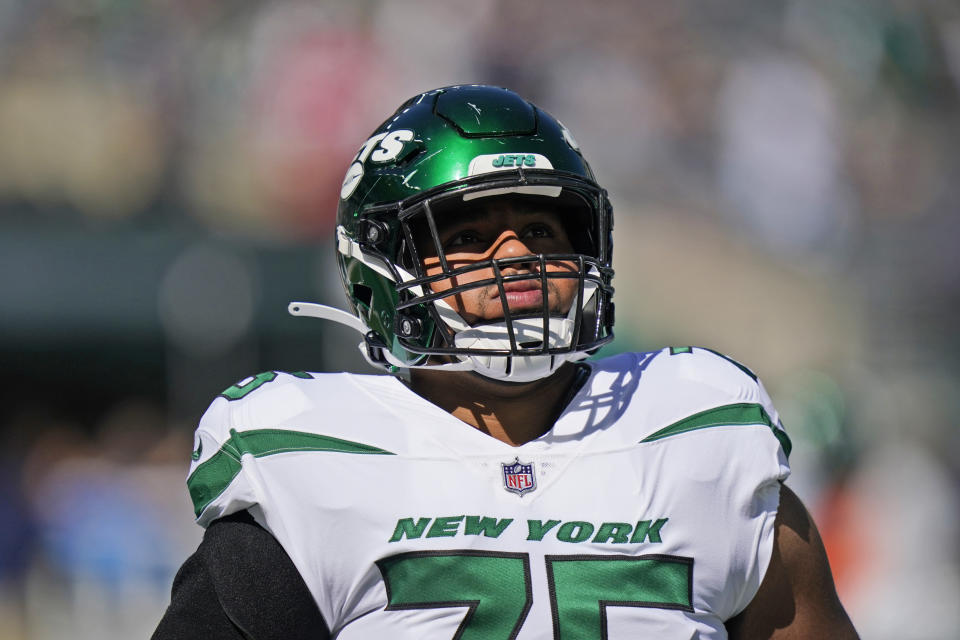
{"x": 509, "y": 245}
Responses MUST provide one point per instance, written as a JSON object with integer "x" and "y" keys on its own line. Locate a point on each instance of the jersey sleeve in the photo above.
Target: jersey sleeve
{"x": 705, "y": 389}
{"x": 715, "y": 415}
{"x": 759, "y": 498}
{"x": 777, "y": 429}
{"x": 216, "y": 482}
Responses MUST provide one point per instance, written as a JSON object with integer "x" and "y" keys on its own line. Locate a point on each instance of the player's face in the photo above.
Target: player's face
{"x": 496, "y": 229}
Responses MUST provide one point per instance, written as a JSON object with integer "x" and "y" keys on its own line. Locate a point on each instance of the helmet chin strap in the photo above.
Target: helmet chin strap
{"x": 323, "y": 312}
{"x": 521, "y": 368}
{"x": 502, "y": 368}
{"x": 314, "y": 310}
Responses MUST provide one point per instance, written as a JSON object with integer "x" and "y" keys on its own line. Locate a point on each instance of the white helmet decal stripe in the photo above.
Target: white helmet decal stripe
{"x": 492, "y": 162}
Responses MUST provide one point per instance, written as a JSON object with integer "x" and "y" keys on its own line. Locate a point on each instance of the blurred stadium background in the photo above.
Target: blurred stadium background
{"x": 785, "y": 178}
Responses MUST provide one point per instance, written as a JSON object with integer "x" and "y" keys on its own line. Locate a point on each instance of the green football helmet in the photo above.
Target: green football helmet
{"x": 441, "y": 149}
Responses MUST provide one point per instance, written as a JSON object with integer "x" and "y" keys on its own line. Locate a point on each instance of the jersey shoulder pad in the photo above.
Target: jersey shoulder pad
{"x": 677, "y": 369}
{"x": 215, "y": 482}
{"x": 270, "y": 413}
{"x": 697, "y": 387}
{"x": 699, "y": 366}
{"x": 621, "y": 366}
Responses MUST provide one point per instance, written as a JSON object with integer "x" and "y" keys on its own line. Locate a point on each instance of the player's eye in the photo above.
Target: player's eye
{"x": 538, "y": 230}
{"x": 462, "y": 239}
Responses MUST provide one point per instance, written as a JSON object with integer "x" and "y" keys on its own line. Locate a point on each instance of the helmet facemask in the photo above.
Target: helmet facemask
{"x": 519, "y": 345}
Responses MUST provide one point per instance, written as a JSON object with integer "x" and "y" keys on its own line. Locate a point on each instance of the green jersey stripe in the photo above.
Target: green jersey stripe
{"x": 213, "y": 476}
{"x": 740, "y": 414}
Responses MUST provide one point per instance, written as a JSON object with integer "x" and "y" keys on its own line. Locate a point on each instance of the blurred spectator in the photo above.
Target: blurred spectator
{"x": 110, "y": 534}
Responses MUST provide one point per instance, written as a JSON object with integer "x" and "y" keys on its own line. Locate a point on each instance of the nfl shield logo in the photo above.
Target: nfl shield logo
{"x": 518, "y": 477}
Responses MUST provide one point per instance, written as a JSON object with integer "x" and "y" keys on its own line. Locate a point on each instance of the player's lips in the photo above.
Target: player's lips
{"x": 524, "y": 293}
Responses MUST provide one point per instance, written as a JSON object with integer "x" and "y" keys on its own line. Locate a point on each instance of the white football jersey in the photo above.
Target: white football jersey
{"x": 647, "y": 511}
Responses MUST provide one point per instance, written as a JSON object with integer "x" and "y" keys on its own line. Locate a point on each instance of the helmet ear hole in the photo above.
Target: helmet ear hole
{"x": 362, "y": 294}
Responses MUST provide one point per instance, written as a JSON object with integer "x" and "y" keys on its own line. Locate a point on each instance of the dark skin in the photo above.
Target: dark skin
{"x": 797, "y": 598}
{"x": 501, "y": 410}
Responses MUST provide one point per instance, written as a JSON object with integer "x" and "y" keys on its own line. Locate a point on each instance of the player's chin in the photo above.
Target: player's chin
{"x": 519, "y": 307}
{"x": 494, "y": 312}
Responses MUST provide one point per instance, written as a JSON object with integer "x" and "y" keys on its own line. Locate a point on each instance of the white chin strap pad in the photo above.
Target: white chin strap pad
{"x": 528, "y": 332}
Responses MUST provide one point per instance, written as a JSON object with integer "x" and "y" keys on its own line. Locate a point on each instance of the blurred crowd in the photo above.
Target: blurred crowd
{"x": 784, "y": 176}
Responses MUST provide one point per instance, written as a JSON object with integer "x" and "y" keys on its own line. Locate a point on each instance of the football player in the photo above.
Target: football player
{"x": 495, "y": 484}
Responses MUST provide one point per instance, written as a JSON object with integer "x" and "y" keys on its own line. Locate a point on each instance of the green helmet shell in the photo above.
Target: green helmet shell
{"x": 441, "y": 144}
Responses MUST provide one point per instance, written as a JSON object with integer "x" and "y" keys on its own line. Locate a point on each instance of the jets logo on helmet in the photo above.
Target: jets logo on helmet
{"x": 506, "y": 161}
{"x": 438, "y": 152}
{"x": 383, "y": 147}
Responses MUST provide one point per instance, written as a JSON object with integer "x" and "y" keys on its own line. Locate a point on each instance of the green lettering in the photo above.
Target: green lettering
{"x": 576, "y": 531}
{"x": 646, "y": 530}
{"x": 613, "y": 532}
{"x": 538, "y": 528}
{"x": 508, "y": 161}
{"x": 406, "y": 527}
{"x": 498, "y": 161}
{"x": 444, "y": 527}
{"x": 490, "y": 527}
{"x": 530, "y": 160}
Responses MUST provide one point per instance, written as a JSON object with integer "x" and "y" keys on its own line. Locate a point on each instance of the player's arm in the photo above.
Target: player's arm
{"x": 797, "y": 598}
{"x": 240, "y": 585}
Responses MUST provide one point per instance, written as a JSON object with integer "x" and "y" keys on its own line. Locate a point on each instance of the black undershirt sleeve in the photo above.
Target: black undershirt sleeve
{"x": 240, "y": 584}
